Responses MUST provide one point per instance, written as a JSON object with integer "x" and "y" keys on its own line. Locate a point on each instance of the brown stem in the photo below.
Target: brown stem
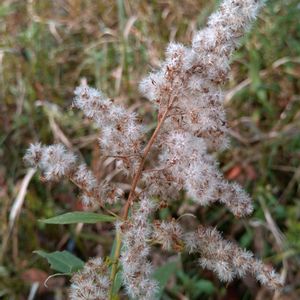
{"x": 132, "y": 194}
{"x": 138, "y": 174}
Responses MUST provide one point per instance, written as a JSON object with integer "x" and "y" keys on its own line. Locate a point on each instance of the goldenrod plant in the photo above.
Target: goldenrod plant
{"x": 177, "y": 156}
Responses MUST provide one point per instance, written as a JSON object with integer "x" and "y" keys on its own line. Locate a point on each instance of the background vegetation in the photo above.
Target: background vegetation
{"x": 48, "y": 47}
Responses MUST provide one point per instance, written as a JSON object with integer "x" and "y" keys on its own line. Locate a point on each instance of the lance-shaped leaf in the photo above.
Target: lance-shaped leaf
{"x": 79, "y": 217}
{"x": 62, "y": 261}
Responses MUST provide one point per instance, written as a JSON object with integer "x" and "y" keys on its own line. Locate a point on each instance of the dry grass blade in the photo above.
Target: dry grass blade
{"x": 18, "y": 203}
{"x": 15, "y": 210}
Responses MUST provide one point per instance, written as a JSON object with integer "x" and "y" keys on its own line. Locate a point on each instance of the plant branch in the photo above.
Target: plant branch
{"x": 132, "y": 194}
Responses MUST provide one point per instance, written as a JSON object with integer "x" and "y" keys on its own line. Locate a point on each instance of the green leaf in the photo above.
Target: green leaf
{"x": 205, "y": 287}
{"x": 62, "y": 261}
{"x": 163, "y": 274}
{"x": 195, "y": 286}
{"x": 118, "y": 282}
{"x": 79, "y": 217}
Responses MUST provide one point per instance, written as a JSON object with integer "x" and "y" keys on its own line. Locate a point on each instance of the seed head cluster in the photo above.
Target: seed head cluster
{"x": 92, "y": 282}
{"x": 137, "y": 268}
{"x": 179, "y": 156}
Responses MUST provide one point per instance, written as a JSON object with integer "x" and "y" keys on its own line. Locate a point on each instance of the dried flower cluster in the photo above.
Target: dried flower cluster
{"x": 226, "y": 259}
{"x": 92, "y": 282}
{"x": 191, "y": 125}
{"x": 137, "y": 269}
{"x": 121, "y": 134}
{"x": 56, "y": 161}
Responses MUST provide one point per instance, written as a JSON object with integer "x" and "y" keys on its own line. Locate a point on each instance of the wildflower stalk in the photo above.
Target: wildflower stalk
{"x": 131, "y": 196}
{"x": 147, "y": 149}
